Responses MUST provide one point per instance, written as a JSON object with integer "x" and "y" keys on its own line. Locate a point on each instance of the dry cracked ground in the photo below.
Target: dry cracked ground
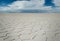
{"x": 29, "y": 27}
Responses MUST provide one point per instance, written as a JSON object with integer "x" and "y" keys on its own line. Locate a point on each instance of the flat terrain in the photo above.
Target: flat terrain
{"x": 29, "y": 27}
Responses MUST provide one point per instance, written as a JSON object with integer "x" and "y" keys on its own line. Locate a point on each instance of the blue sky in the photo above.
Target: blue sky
{"x": 6, "y": 2}
{"x": 13, "y": 5}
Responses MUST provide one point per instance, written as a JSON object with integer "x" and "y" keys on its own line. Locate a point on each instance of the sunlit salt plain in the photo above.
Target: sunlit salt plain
{"x": 29, "y": 27}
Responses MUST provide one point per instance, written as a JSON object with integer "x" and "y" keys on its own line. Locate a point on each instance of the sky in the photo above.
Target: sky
{"x": 18, "y": 4}
{"x": 6, "y": 5}
{"x": 6, "y": 2}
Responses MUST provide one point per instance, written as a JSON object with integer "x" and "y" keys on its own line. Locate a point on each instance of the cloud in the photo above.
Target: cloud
{"x": 57, "y": 2}
{"x": 14, "y": 6}
{"x": 17, "y": 5}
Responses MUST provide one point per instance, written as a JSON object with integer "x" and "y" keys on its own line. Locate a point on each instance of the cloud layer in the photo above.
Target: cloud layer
{"x": 34, "y": 4}
{"x": 15, "y": 5}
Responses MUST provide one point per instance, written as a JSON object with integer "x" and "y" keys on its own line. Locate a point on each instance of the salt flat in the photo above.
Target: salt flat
{"x": 29, "y": 27}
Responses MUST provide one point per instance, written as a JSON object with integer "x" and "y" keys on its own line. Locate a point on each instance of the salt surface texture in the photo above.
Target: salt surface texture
{"x": 29, "y": 27}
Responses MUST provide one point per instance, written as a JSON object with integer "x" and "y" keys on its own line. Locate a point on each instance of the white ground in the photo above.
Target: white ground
{"x": 29, "y": 27}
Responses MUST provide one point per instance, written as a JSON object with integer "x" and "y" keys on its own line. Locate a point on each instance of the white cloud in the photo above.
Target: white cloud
{"x": 14, "y": 6}
{"x": 23, "y": 4}
{"x": 57, "y": 2}
{"x": 34, "y": 4}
